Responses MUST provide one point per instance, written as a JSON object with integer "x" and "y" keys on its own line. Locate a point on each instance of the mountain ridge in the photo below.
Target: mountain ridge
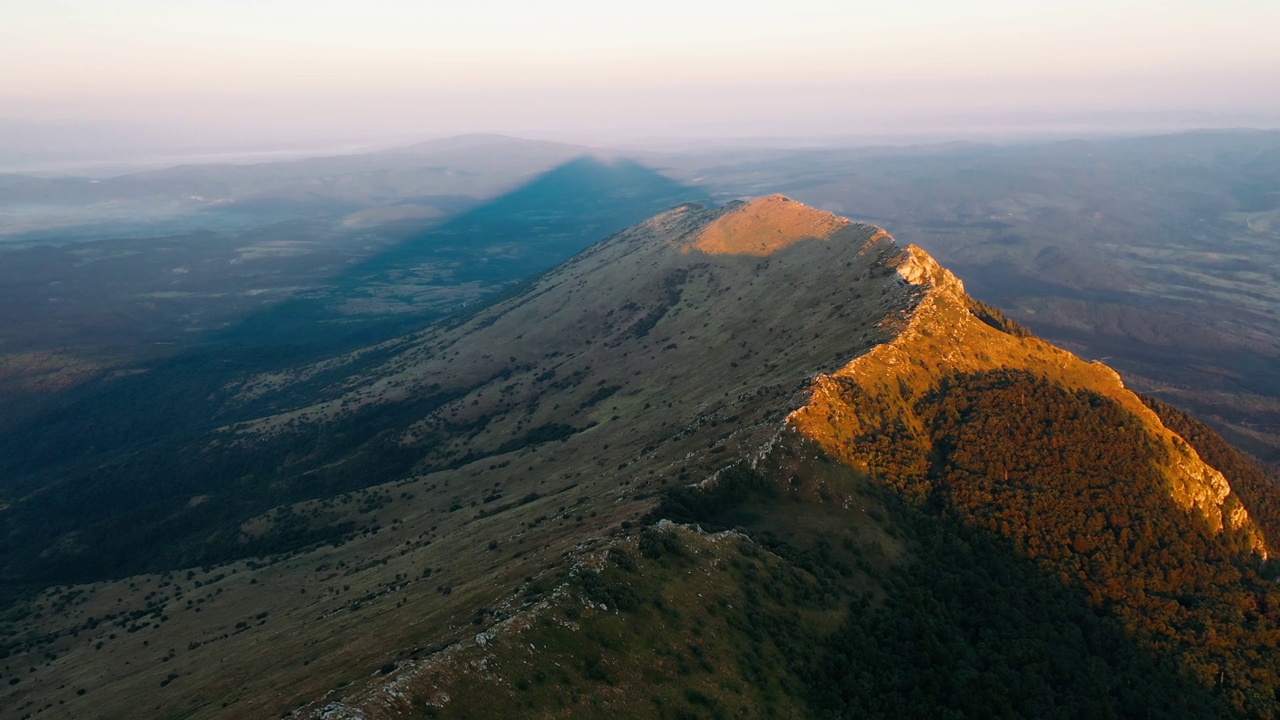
{"x": 1194, "y": 484}
{"x": 928, "y": 302}
{"x": 548, "y": 462}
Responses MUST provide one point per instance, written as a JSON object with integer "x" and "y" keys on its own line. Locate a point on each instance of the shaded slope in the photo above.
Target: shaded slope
{"x": 556, "y": 215}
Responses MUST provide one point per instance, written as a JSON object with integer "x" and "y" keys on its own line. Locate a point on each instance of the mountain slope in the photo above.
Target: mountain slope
{"x": 126, "y": 453}
{"x": 944, "y": 337}
{"x": 524, "y": 426}
{"x": 1139, "y": 525}
{"x": 915, "y": 481}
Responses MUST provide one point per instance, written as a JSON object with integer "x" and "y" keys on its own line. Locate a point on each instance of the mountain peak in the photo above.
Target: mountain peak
{"x": 766, "y": 225}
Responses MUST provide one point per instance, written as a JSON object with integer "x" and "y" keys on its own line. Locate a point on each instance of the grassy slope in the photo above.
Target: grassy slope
{"x": 655, "y": 391}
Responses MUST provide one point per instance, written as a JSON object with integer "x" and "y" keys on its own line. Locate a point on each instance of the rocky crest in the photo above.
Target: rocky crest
{"x": 940, "y": 335}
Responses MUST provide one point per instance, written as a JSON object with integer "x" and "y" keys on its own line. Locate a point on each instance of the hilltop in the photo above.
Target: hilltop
{"x": 754, "y": 458}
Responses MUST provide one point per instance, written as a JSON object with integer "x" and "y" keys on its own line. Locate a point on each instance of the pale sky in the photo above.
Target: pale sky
{"x": 648, "y": 68}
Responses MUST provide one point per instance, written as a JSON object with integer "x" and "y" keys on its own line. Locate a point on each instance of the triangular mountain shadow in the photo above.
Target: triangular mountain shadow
{"x": 513, "y": 237}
